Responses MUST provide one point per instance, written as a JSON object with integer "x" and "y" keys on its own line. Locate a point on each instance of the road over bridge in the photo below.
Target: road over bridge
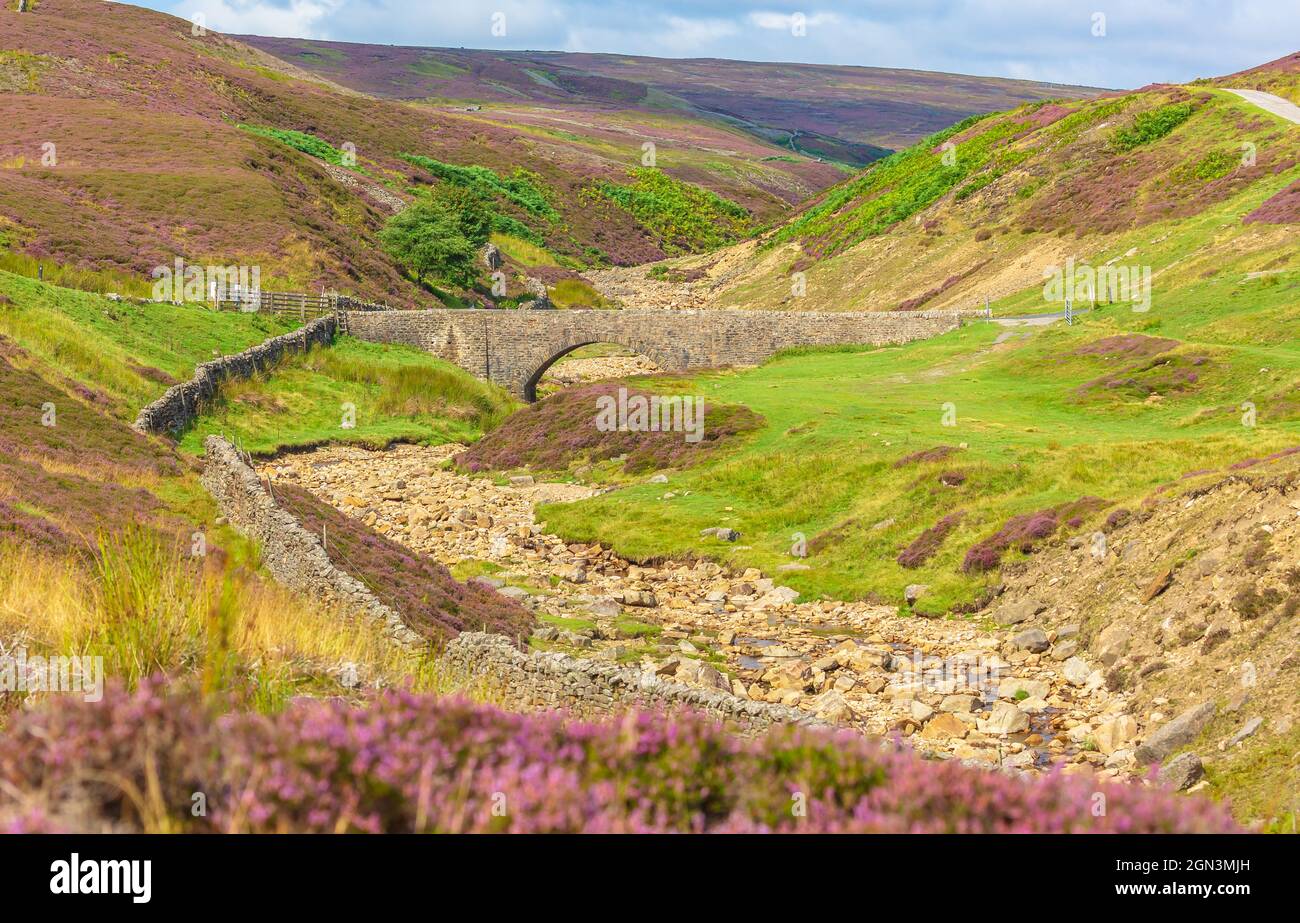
{"x": 514, "y": 348}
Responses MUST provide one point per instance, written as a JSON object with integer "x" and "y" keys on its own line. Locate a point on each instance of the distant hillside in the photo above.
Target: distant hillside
{"x": 849, "y": 114}
{"x": 130, "y": 142}
{"x": 1185, "y": 180}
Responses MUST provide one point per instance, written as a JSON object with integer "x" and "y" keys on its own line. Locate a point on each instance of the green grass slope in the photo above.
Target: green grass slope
{"x": 117, "y": 356}
{"x": 110, "y": 546}
{"x": 939, "y": 462}
{"x": 1041, "y": 418}
{"x": 353, "y": 391}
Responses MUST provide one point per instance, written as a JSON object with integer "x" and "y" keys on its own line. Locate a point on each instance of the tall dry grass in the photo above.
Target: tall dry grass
{"x": 149, "y": 608}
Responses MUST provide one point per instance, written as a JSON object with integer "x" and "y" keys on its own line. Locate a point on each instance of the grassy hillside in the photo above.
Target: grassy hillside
{"x": 131, "y": 142}
{"x": 397, "y": 393}
{"x": 937, "y": 462}
{"x": 123, "y": 353}
{"x": 109, "y": 535}
{"x": 934, "y": 463}
{"x": 848, "y": 114}
{"x": 1183, "y": 180}
{"x": 1280, "y": 77}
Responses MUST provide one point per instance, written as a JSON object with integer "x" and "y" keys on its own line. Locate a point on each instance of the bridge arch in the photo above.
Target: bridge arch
{"x": 535, "y": 378}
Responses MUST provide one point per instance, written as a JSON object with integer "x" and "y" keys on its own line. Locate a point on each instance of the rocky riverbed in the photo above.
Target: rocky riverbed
{"x": 1011, "y": 696}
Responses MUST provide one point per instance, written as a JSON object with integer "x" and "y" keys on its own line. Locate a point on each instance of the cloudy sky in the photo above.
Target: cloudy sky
{"x": 1111, "y": 43}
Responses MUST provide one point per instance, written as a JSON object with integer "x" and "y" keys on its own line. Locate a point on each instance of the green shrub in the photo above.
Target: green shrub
{"x": 521, "y": 187}
{"x": 902, "y": 185}
{"x": 299, "y": 141}
{"x": 1151, "y": 126}
{"x": 1212, "y": 166}
{"x": 683, "y": 216}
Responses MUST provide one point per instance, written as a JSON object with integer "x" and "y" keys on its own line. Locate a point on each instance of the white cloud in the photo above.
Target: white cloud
{"x": 298, "y": 19}
{"x": 785, "y": 22}
{"x": 1157, "y": 40}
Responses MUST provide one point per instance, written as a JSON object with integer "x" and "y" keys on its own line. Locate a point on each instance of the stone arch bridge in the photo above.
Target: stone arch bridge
{"x": 515, "y": 348}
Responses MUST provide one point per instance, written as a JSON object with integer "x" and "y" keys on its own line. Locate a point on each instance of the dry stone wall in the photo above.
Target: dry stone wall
{"x": 514, "y": 348}
{"x": 591, "y": 688}
{"x": 172, "y": 412}
{"x": 293, "y": 555}
{"x": 528, "y": 679}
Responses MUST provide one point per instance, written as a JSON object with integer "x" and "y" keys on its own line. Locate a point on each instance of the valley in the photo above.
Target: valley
{"x": 975, "y": 493}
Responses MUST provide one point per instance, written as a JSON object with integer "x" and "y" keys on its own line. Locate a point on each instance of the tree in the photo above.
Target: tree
{"x": 472, "y": 214}
{"x": 428, "y": 240}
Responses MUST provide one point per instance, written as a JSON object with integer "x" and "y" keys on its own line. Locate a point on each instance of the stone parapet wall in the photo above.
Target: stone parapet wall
{"x": 513, "y": 348}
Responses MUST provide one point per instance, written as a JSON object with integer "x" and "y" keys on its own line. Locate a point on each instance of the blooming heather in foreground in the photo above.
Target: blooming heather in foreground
{"x": 407, "y": 762}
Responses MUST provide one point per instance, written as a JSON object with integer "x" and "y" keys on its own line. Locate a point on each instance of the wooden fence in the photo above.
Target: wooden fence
{"x": 301, "y": 305}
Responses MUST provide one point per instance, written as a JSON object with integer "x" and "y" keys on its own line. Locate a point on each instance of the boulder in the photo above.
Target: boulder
{"x": 1064, "y": 650}
{"x": 1247, "y": 730}
{"x": 1182, "y": 772}
{"x": 1076, "y": 671}
{"x": 1112, "y": 643}
{"x": 1115, "y": 734}
{"x": 959, "y": 703}
{"x": 777, "y": 596}
{"x": 1033, "y": 640}
{"x": 1035, "y": 688}
{"x": 1015, "y": 613}
{"x": 1158, "y": 585}
{"x": 920, "y": 712}
{"x": 944, "y": 727}
{"x": 1005, "y": 718}
{"x": 698, "y": 673}
{"x": 1179, "y": 732}
{"x": 721, "y": 532}
{"x": 642, "y": 598}
{"x": 830, "y": 706}
{"x": 605, "y": 607}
